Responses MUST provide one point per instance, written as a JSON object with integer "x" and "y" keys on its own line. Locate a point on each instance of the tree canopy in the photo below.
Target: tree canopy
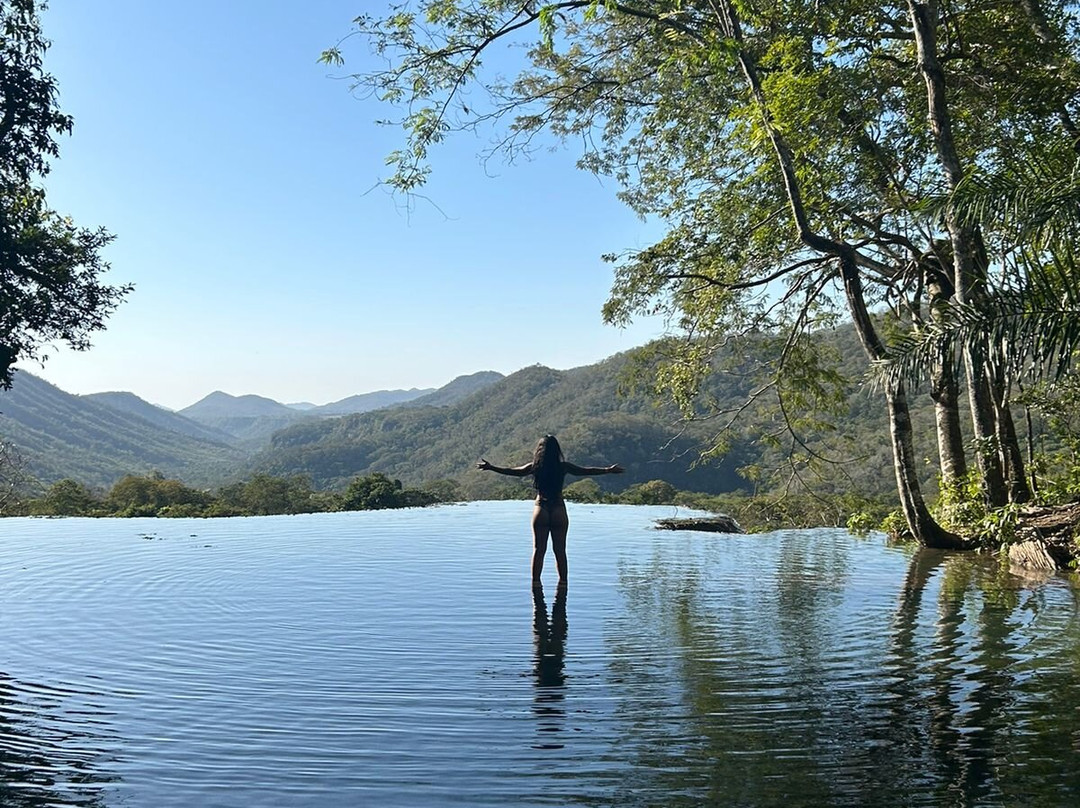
{"x": 793, "y": 149}
{"x": 50, "y": 269}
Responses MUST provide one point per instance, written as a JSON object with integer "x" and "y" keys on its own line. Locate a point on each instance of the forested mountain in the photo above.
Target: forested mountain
{"x": 223, "y": 405}
{"x": 597, "y": 425}
{"x": 252, "y": 431}
{"x": 250, "y": 419}
{"x": 365, "y": 402}
{"x": 99, "y": 438}
{"x": 62, "y": 435}
{"x": 502, "y": 422}
{"x": 458, "y": 389}
{"x": 174, "y": 422}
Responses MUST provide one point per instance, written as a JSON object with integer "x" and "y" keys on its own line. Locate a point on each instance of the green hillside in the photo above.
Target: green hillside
{"x": 174, "y": 422}
{"x": 596, "y": 425}
{"x": 61, "y": 435}
{"x": 250, "y": 420}
{"x": 365, "y": 402}
{"x": 502, "y": 422}
{"x": 460, "y": 388}
{"x": 223, "y": 405}
{"x": 97, "y": 440}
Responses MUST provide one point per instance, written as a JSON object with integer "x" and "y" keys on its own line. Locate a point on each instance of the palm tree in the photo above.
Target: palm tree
{"x": 1027, "y": 323}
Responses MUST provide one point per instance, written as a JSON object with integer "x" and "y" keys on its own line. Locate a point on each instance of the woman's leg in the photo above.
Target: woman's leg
{"x": 541, "y": 527}
{"x": 559, "y": 524}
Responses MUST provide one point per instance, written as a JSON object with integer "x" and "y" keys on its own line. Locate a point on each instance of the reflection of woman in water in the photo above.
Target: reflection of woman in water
{"x": 549, "y": 639}
{"x": 549, "y": 469}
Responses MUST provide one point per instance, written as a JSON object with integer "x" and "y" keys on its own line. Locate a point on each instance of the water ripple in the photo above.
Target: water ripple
{"x": 400, "y": 658}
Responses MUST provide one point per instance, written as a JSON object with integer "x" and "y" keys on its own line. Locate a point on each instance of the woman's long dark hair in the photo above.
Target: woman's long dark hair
{"x": 548, "y": 474}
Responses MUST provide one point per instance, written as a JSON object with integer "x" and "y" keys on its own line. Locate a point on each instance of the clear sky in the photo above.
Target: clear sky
{"x": 237, "y": 175}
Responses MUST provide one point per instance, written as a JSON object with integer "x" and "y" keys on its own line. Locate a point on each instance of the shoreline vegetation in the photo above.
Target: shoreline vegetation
{"x": 154, "y": 495}
{"x": 1043, "y": 536}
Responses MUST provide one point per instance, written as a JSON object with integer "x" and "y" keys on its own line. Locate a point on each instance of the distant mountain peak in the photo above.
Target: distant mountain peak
{"x": 223, "y": 405}
{"x": 457, "y": 389}
{"x": 131, "y": 404}
{"x": 365, "y": 402}
{"x": 100, "y": 437}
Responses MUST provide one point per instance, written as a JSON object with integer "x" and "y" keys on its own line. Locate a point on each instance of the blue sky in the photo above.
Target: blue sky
{"x": 237, "y": 174}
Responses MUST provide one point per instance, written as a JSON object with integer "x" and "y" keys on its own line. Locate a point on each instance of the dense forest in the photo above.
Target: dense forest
{"x": 602, "y": 414}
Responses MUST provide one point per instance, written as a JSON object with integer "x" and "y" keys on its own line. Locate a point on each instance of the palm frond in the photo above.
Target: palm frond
{"x": 1034, "y": 203}
{"x": 1031, "y": 330}
{"x": 1030, "y": 325}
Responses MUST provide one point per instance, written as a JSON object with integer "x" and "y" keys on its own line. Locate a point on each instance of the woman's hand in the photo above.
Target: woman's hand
{"x": 615, "y": 468}
{"x": 483, "y": 465}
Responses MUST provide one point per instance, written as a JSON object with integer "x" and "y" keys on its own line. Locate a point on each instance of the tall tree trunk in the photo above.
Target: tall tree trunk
{"x": 1029, "y": 440}
{"x": 945, "y": 392}
{"x": 985, "y": 425}
{"x": 944, "y": 388}
{"x": 1012, "y": 458}
{"x": 1019, "y": 490}
{"x": 968, "y": 275}
{"x": 920, "y": 522}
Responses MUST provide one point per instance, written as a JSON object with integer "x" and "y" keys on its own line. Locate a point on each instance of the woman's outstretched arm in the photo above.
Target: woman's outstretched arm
{"x": 584, "y": 471}
{"x": 515, "y": 471}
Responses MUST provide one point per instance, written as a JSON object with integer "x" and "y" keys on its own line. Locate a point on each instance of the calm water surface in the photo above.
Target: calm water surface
{"x": 400, "y": 658}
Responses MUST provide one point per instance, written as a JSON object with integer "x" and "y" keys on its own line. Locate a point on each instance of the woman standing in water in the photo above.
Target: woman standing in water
{"x": 549, "y": 469}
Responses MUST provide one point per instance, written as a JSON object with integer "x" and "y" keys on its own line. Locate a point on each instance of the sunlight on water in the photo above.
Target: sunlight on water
{"x": 401, "y": 658}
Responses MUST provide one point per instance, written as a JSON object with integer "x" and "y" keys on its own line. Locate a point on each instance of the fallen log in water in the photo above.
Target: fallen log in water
{"x": 1047, "y": 537}
{"x": 1039, "y": 554}
{"x": 709, "y": 524}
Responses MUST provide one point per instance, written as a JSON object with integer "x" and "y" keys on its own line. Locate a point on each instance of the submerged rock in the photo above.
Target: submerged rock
{"x": 720, "y": 523}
